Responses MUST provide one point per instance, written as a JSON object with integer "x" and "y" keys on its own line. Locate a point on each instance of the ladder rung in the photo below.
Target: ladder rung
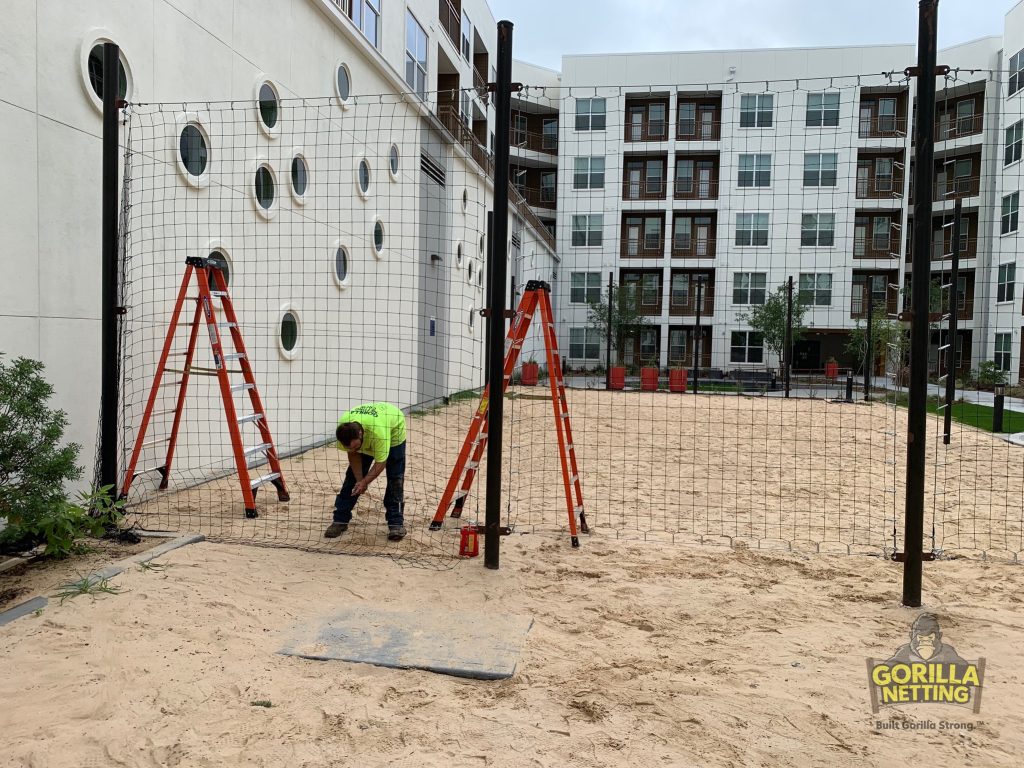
{"x": 164, "y": 412}
{"x": 155, "y": 441}
{"x": 579, "y": 510}
{"x": 574, "y": 478}
{"x": 240, "y": 387}
{"x": 170, "y": 383}
{"x": 218, "y": 294}
{"x": 150, "y": 469}
{"x": 257, "y": 449}
{"x": 250, "y": 417}
{"x": 264, "y": 480}
{"x": 234, "y": 356}
{"x": 227, "y": 325}
{"x": 472, "y": 465}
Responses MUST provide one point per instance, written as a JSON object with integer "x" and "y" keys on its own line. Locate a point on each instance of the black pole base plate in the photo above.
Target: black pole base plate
{"x": 901, "y": 557}
{"x": 575, "y": 542}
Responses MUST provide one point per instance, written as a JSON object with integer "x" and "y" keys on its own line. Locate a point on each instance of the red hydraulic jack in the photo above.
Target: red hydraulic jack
{"x": 206, "y": 273}
{"x": 537, "y": 294}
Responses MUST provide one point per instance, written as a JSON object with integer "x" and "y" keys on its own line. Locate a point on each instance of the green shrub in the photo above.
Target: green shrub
{"x": 34, "y": 466}
{"x": 988, "y": 375}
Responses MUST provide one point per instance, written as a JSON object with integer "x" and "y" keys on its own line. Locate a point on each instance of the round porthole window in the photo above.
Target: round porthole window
{"x": 465, "y": 200}
{"x": 343, "y": 85}
{"x": 289, "y": 333}
{"x": 378, "y": 238}
{"x": 264, "y": 187}
{"x": 268, "y": 105}
{"x": 300, "y": 177}
{"x": 220, "y": 261}
{"x": 393, "y": 159}
{"x": 193, "y": 149}
{"x": 483, "y": 246}
{"x": 363, "y": 177}
{"x": 469, "y": 273}
{"x": 94, "y": 66}
{"x": 458, "y": 255}
{"x": 471, "y": 320}
{"x": 341, "y": 266}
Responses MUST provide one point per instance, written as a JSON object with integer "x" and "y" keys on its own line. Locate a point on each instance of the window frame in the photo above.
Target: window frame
{"x": 590, "y": 290}
{"x": 756, "y": 175}
{"x": 761, "y": 116}
{"x": 819, "y": 218}
{"x": 823, "y": 111}
{"x": 1006, "y": 279}
{"x": 751, "y": 344}
{"x": 592, "y": 223}
{"x": 591, "y": 341}
{"x": 750, "y": 222}
{"x": 590, "y": 175}
{"x": 815, "y": 165}
{"x": 1016, "y": 79}
{"x": 1009, "y": 214}
{"x": 590, "y": 115}
{"x": 812, "y": 294}
{"x": 1012, "y": 143}
{"x": 419, "y": 68}
{"x": 1003, "y": 358}
{"x": 744, "y": 294}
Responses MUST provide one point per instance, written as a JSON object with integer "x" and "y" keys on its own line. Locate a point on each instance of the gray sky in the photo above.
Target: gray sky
{"x": 546, "y": 29}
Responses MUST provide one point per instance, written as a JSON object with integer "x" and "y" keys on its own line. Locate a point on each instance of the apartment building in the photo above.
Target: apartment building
{"x": 430, "y": 161}
{"x": 703, "y": 181}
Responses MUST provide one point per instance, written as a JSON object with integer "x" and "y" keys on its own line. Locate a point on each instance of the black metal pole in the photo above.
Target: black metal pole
{"x": 696, "y": 338}
{"x": 913, "y": 529}
{"x": 497, "y": 288}
{"x": 849, "y": 386}
{"x": 108, "y": 344}
{"x": 954, "y": 274}
{"x": 997, "y": 409}
{"x": 788, "y": 362}
{"x": 608, "y": 332}
{"x": 869, "y": 353}
{"x": 487, "y": 333}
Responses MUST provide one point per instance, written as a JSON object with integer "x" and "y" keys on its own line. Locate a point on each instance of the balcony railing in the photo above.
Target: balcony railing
{"x": 690, "y": 247}
{"x": 943, "y": 251}
{"x": 686, "y": 305}
{"x": 646, "y": 300}
{"x": 451, "y": 20}
{"x": 694, "y": 189}
{"x": 956, "y": 127}
{"x": 881, "y": 127}
{"x": 880, "y": 187}
{"x": 479, "y": 83}
{"x": 963, "y": 186}
{"x": 874, "y": 247}
{"x": 644, "y": 189}
{"x": 643, "y": 248}
{"x": 535, "y": 142}
{"x": 544, "y": 197}
{"x": 694, "y": 130}
{"x": 859, "y": 304}
{"x": 648, "y": 130}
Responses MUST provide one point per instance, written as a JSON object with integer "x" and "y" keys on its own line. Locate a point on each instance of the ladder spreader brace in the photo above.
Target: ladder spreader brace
{"x": 206, "y": 273}
{"x": 537, "y": 294}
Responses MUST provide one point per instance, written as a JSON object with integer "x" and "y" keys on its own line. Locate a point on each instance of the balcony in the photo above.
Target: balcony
{"x": 942, "y": 251}
{"x": 535, "y": 142}
{"x": 645, "y": 189}
{"x": 859, "y": 302}
{"x": 646, "y": 120}
{"x": 646, "y": 299}
{"x": 539, "y": 198}
{"x": 882, "y": 127}
{"x": 873, "y": 247}
{"x": 960, "y": 187}
{"x": 683, "y": 294}
{"x": 690, "y": 247}
{"x": 693, "y": 130}
{"x": 949, "y": 127}
{"x": 450, "y": 17}
{"x": 694, "y": 189}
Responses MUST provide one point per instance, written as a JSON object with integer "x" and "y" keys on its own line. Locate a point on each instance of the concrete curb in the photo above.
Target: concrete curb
{"x": 36, "y": 603}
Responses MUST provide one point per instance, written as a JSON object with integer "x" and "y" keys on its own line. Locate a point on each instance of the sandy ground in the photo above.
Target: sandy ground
{"x": 811, "y": 475}
{"x": 639, "y": 655}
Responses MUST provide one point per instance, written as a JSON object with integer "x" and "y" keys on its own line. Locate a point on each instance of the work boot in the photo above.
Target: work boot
{"x": 334, "y": 530}
{"x": 396, "y": 532}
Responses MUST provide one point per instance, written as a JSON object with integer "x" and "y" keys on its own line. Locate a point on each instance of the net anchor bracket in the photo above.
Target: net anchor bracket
{"x": 940, "y": 71}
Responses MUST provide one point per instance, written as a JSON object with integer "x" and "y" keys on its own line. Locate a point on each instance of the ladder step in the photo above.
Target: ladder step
{"x": 250, "y": 417}
{"x": 257, "y": 448}
{"x": 240, "y": 387}
{"x": 218, "y": 294}
{"x": 264, "y": 480}
{"x": 473, "y": 465}
{"x": 234, "y": 356}
{"x": 170, "y": 383}
{"x": 163, "y": 412}
{"x": 227, "y": 325}
{"x": 155, "y": 441}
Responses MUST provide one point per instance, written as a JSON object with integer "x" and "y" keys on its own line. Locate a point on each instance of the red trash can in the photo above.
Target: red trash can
{"x": 617, "y": 377}
{"x": 831, "y": 370}
{"x": 677, "y": 380}
{"x": 649, "y": 379}
{"x": 531, "y": 372}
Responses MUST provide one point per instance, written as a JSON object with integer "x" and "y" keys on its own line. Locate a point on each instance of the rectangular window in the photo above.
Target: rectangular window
{"x": 415, "y": 55}
{"x": 585, "y": 287}
{"x": 683, "y": 233}
{"x": 1009, "y": 218}
{"x": 584, "y": 343}
{"x": 756, "y": 110}
{"x": 588, "y": 173}
{"x": 655, "y": 181}
{"x": 883, "y": 174}
{"x": 467, "y": 36}
{"x": 755, "y": 170}
{"x": 752, "y": 229}
{"x": 550, "y": 134}
{"x": 1007, "y": 278}
{"x": 818, "y": 229}
{"x": 1016, "y": 72}
{"x": 656, "y": 125}
{"x": 746, "y": 347}
{"x": 887, "y": 115}
{"x": 816, "y": 289}
{"x": 547, "y": 187}
{"x": 519, "y": 129}
{"x": 366, "y": 16}
{"x": 687, "y": 119}
{"x": 590, "y": 115}
{"x": 820, "y": 170}
{"x": 684, "y": 177}
{"x": 587, "y": 229}
{"x": 749, "y": 287}
{"x": 822, "y": 110}
{"x": 650, "y": 292}
{"x": 1013, "y": 143}
{"x": 652, "y": 234}
{"x": 880, "y": 233}
{"x": 680, "y": 289}
{"x": 677, "y": 346}
{"x": 1004, "y": 353}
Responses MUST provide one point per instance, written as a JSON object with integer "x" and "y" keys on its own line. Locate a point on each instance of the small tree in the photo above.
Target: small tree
{"x": 769, "y": 320}
{"x": 889, "y": 338}
{"x": 625, "y": 315}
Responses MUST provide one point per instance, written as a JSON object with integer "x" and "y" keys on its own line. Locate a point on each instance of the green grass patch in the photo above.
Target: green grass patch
{"x": 86, "y": 586}
{"x": 968, "y": 414}
{"x": 714, "y": 387}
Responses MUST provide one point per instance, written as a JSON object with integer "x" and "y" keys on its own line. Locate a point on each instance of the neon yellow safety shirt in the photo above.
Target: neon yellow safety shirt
{"x": 383, "y": 427}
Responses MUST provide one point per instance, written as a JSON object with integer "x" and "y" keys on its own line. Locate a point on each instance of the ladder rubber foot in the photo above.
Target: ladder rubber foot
{"x": 584, "y": 528}
{"x": 251, "y": 514}
{"x": 457, "y": 512}
{"x": 283, "y": 496}
{"x": 575, "y": 542}
{"x": 435, "y": 526}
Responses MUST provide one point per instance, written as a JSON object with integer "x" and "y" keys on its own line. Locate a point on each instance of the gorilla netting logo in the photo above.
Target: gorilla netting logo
{"x": 926, "y": 671}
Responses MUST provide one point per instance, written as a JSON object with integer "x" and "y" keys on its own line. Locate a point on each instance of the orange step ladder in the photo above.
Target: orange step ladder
{"x": 207, "y": 273}
{"x": 536, "y": 295}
